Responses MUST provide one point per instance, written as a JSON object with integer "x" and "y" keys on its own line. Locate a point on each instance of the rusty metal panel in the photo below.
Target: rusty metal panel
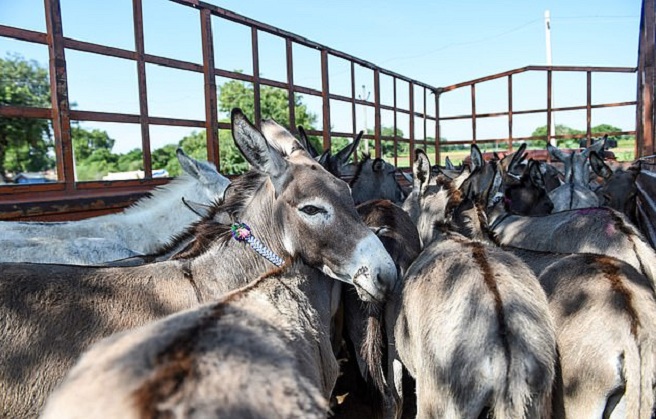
{"x": 646, "y": 202}
{"x": 137, "y": 13}
{"x": 211, "y": 101}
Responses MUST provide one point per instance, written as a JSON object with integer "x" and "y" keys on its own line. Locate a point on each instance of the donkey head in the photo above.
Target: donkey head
{"x": 337, "y": 164}
{"x": 312, "y": 213}
{"x": 432, "y": 199}
{"x": 576, "y": 167}
{"x": 213, "y": 183}
{"x": 485, "y": 179}
{"x": 527, "y": 195}
{"x": 375, "y": 179}
{"x": 619, "y": 189}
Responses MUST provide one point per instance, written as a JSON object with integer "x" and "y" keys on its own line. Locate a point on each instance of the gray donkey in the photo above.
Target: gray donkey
{"x": 605, "y": 316}
{"x": 262, "y": 351}
{"x": 140, "y": 229}
{"x": 473, "y": 326}
{"x": 49, "y": 314}
{"x": 575, "y": 192}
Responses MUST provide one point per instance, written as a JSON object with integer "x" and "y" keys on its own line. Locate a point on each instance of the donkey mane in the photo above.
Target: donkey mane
{"x": 208, "y": 230}
{"x": 175, "y": 357}
{"x": 454, "y": 198}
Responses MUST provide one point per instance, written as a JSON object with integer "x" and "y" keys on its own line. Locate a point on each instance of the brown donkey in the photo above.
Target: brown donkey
{"x": 605, "y": 316}
{"x": 49, "y": 314}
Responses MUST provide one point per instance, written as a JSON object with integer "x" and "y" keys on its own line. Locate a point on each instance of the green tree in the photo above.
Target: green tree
{"x": 85, "y": 142}
{"x": 25, "y": 143}
{"x": 274, "y": 104}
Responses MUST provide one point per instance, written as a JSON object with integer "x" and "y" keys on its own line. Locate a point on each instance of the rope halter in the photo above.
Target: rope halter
{"x": 242, "y": 233}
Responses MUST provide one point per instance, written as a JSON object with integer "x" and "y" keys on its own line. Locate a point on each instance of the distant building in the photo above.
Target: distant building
{"x": 135, "y": 174}
{"x": 31, "y": 177}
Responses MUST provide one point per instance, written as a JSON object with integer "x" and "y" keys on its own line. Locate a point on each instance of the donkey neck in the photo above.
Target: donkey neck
{"x": 152, "y": 222}
{"x": 229, "y": 264}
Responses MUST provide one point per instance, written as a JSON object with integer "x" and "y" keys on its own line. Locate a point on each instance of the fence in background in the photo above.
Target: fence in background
{"x": 70, "y": 199}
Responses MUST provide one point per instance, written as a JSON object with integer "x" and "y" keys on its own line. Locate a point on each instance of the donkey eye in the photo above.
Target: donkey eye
{"x": 312, "y": 210}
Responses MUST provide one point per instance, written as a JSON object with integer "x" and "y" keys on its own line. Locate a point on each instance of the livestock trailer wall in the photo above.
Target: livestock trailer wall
{"x": 413, "y": 109}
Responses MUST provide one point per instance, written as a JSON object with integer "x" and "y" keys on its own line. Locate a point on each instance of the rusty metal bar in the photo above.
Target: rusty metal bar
{"x": 353, "y": 109}
{"x": 549, "y": 86}
{"x": 535, "y": 138}
{"x": 289, "y": 58}
{"x": 326, "y": 99}
{"x": 647, "y": 75}
{"x": 137, "y": 13}
{"x": 538, "y": 68}
{"x": 377, "y": 118}
{"x": 211, "y": 100}
{"x": 473, "y": 110}
{"x": 25, "y": 112}
{"x": 524, "y": 112}
{"x": 23, "y": 34}
{"x": 588, "y": 109}
{"x": 232, "y": 16}
{"x": 396, "y": 142}
{"x": 257, "y": 105}
{"x": 61, "y": 122}
{"x": 438, "y": 140}
{"x": 425, "y": 122}
{"x": 411, "y": 99}
{"x": 510, "y": 113}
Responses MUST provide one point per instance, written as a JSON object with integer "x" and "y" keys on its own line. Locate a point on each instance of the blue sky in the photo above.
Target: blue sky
{"x": 436, "y": 42}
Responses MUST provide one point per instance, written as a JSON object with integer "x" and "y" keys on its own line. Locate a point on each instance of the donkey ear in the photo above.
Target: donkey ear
{"x": 448, "y": 164}
{"x": 344, "y": 154}
{"x": 556, "y": 153}
{"x": 599, "y": 166}
{"x": 517, "y": 157}
{"x": 421, "y": 171}
{"x": 535, "y": 174}
{"x": 256, "y": 149}
{"x": 596, "y": 147}
{"x": 204, "y": 172}
{"x": 476, "y": 158}
{"x": 324, "y": 159}
{"x": 305, "y": 142}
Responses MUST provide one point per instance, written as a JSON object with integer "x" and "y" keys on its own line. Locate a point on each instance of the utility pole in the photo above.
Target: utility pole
{"x": 547, "y": 29}
{"x": 364, "y": 112}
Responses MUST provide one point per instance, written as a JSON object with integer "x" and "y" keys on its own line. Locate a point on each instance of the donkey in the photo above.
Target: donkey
{"x": 260, "y": 351}
{"x": 602, "y": 231}
{"x": 141, "y": 229}
{"x": 619, "y": 189}
{"x": 575, "y": 192}
{"x": 472, "y": 326}
{"x": 366, "y": 321}
{"x": 370, "y": 178}
{"x": 605, "y": 316}
{"x": 49, "y": 314}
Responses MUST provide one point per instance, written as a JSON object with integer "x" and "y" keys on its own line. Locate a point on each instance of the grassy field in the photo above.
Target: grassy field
{"x": 624, "y": 152}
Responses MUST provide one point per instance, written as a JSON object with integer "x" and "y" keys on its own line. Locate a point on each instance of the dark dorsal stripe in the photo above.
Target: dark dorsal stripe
{"x": 611, "y": 271}
{"x": 480, "y": 258}
{"x": 175, "y": 362}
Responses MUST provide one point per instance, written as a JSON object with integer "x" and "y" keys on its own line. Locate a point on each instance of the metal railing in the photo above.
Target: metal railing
{"x": 20, "y": 200}
{"x": 548, "y": 108}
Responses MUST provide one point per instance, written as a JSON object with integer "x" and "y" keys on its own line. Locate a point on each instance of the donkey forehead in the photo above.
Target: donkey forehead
{"x": 309, "y": 179}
